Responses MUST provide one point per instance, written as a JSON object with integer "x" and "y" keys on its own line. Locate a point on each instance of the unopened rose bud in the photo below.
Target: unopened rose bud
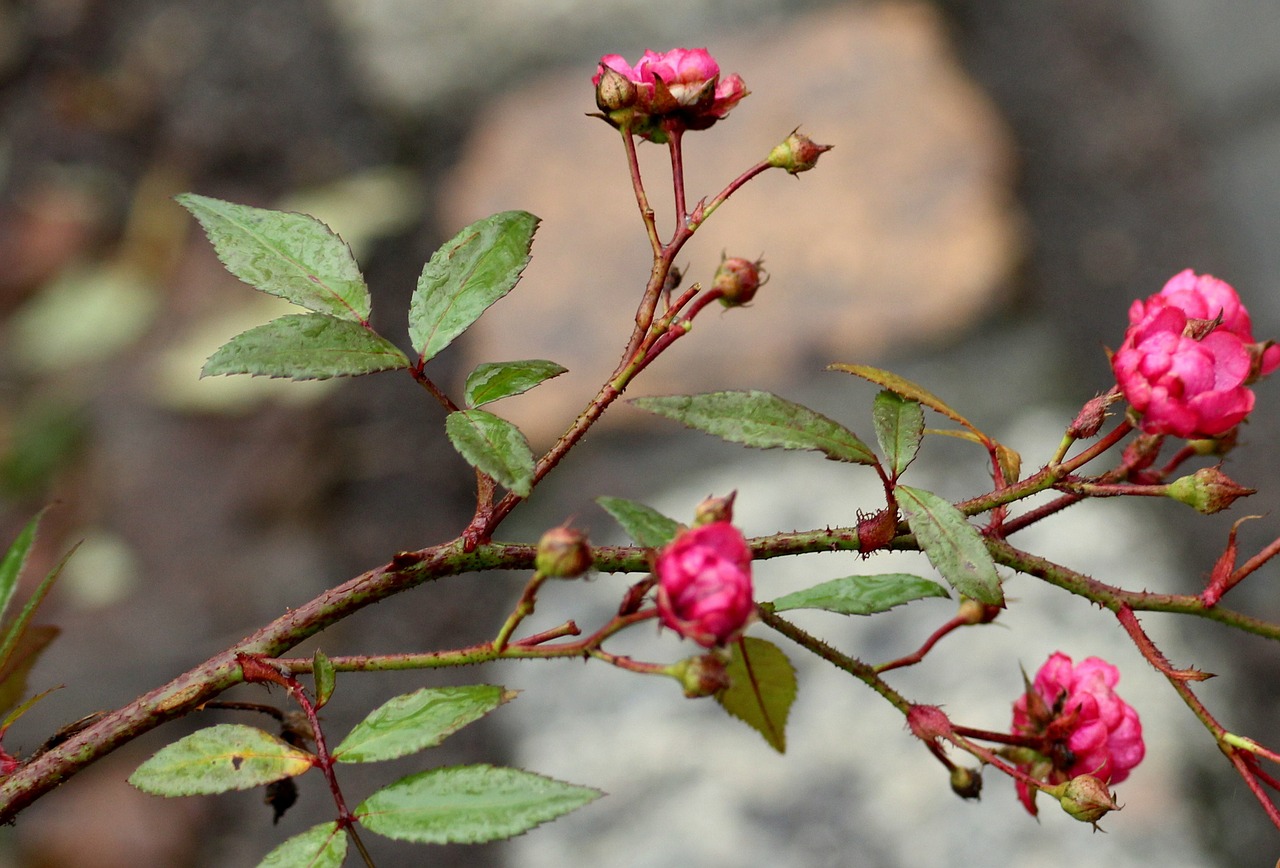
{"x": 614, "y": 90}
{"x": 973, "y": 612}
{"x": 715, "y": 509}
{"x": 703, "y": 676}
{"x": 704, "y": 584}
{"x": 1142, "y": 452}
{"x": 1091, "y": 416}
{"x": 798, "y": 153}
{"x": 563, "y": 553}
{"x": 1208, "y": 490}
{"x": 928, "y": 723}
{"x": 738, "y": 279}
{"x": 1085, "y": 798}
{"x": 966, "y": 783}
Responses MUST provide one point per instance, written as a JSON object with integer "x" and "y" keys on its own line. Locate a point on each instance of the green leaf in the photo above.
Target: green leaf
{"x": 15, "y": 559}
{"x": 469, "y": 804}
{"x": 321, "y": 846}
{"x": 14, "y": 671}
{"x": 293, "y": 256}
{"x": 899, "y": 424}
{"x": 15, "y": 643}
{"x": 862, "y": 595}
{"x": 495, "y": 380}
{"x": 645, "y": 525}
{"x": 480, "y": 265}
{"x": 493, "y": 446}
{"x": 762, "y": 420}
{"x": 906, "y": 389}
{"x": 762, "y": 686}
{"x": 952, "y": 544}
{"x": 415, "y": 721}
{"x": 306, "y": 346}
{"x": 325, "y": 678}
{"x": 229, "y": 756}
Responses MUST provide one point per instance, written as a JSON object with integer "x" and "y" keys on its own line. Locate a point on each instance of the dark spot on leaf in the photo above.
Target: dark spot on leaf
{"x": 237, "y": 761}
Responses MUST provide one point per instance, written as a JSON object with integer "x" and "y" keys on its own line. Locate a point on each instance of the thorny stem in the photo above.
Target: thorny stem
{"x": 1058, "y": 470}
{"x": 1249, "y": 566}
{"x": 1179, "y": 680}
{"x": 991, "y": 758}
{"x": 855, "y": 667}
{"x": 675, "y": 137}
{"x": 432, "y": 389}
{"x": 637, "y": 186}
{"x": 1111, "y": 489}
{"x": 346, "y": 820}
{"x": 646, "y": 342}
{"x": 703, "y": 210}
{"x": 523, "y": 609}
{"x": 531, "y": 648}
{"x": 110, "y": 730}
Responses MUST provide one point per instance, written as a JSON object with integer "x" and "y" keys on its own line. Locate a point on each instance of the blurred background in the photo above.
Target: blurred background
{"x": 1007, "y": 176}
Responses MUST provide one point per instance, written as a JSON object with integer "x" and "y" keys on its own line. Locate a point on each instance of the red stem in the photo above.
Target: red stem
{"x": 1255, "y": 562}
{"x": 674, "y": 138}
{"x": 912, "y": 659}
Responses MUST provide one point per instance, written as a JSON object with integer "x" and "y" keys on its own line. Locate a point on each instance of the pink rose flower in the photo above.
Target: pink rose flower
{"x": 1205, "y": 297}
{"x": 673, "y": 91}
{"x": 1199, "y": 296}
{"x": 1084, "y": 728}
{"x": 1183, "y": 386}
{"x": 704, "y": 584}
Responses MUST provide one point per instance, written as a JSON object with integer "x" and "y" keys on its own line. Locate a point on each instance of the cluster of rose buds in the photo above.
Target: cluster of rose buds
{"x": 665, "y": 93}
{"x": 1081, "y": 727}
{"x": 704, "y": 584}
{"x": 1188, "y": 357}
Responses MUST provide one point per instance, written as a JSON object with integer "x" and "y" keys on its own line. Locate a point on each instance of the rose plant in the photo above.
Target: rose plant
{"x": 1187, "y": 366}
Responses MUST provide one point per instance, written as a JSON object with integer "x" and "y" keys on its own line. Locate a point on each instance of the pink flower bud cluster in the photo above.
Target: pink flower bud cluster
{"x": 1082, "y": 726}
{"x": 704, "y": 584}
{"x": 665, "y": 93}
{"x": 1188, "y": 356}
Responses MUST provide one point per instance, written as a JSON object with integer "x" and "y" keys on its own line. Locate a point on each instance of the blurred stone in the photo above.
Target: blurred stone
{"x": 904, "y": 234}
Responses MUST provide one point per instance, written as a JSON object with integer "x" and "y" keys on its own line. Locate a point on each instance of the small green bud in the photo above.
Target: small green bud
{"x": 1207, "y": 491}
{"x": 714, "y": 509}
{"x": 1085, "y": 798}
{"x": 563, "y": 553}
{"x": 702, "y": 676}
{"x": 797, "y": 153}
{"x": 966, "y": 783}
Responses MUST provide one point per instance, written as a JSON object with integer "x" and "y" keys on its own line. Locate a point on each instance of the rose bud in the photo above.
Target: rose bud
{"x": 738, "y": 279}
{"x": 704, "y": 584}
{"x": 563, "y": 553}
{"x": 1208, "y": 490}
{"x": 703, "y": 676}
{"x": 715, "y": 509}
{"x": 797, "y": 153}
